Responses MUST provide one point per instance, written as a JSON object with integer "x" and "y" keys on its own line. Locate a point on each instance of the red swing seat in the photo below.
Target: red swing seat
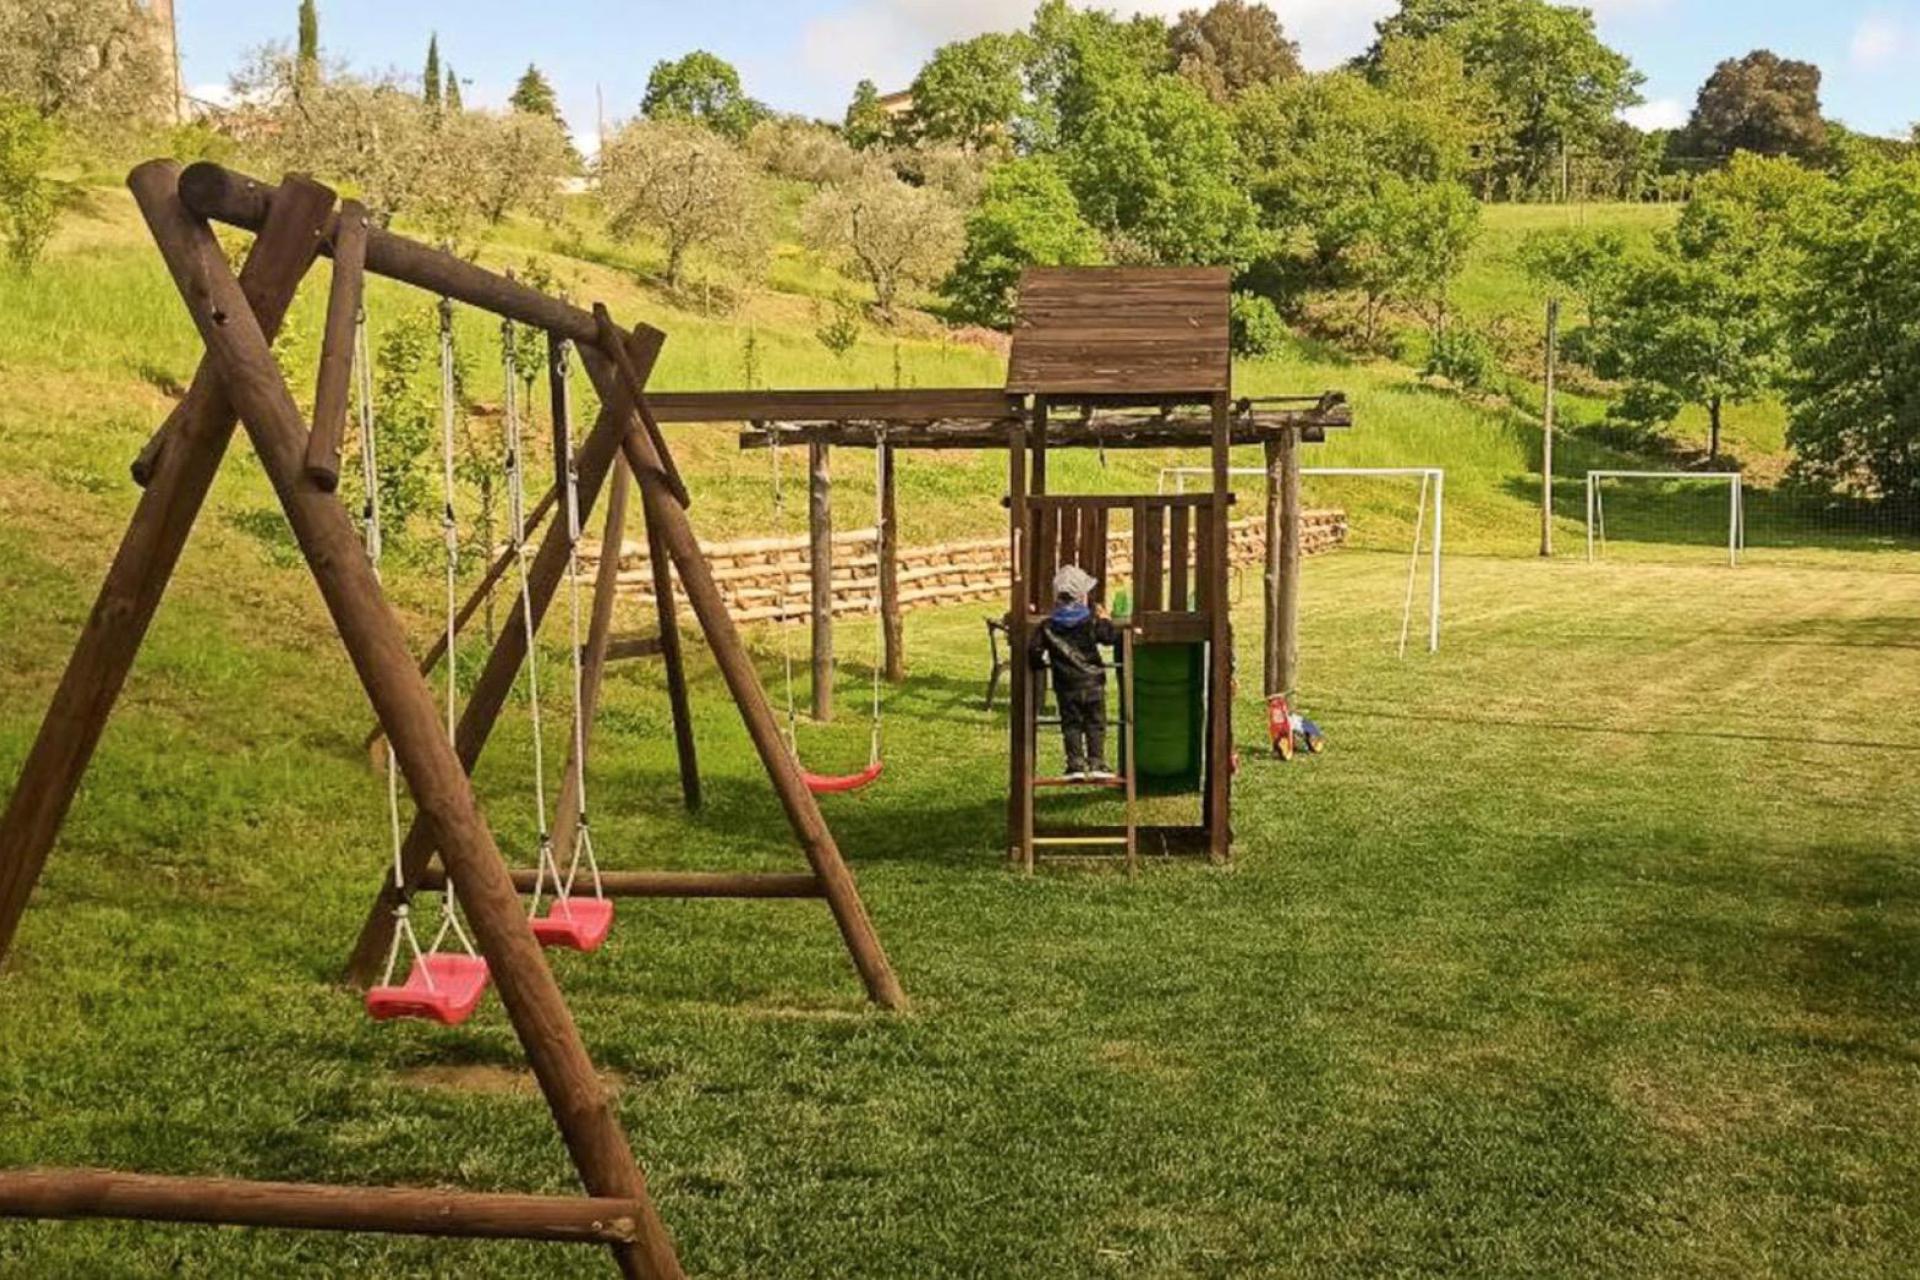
{"x": 581, "y": 924}
{"x": 823, "y": 784}
{"x": 458, "y": 980}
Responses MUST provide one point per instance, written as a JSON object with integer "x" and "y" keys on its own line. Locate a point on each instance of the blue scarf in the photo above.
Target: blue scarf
{"x": 1070, "y": 615}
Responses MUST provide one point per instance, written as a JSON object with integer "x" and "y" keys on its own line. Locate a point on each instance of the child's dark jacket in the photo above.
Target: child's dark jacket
{"x": 1069, "y": 642}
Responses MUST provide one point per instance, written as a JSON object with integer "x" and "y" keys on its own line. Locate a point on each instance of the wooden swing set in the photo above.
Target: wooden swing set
{"x": 432, "y": 748}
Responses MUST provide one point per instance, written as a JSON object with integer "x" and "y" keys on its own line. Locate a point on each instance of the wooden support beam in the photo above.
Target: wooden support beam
{"x": 892, "y": 632}
{"x": 627, "y": 648}
{"x": 222, "y": 195}
{"x": 90, "y": 1193}
{"x": 495, "y": 683}
{"x": 677, "y": 884}
{"x": 1021, "y": 679}
{"x": 1107, "y": 430}
{"x": 1287, "y": 557}
{"x": 736, "y": 667}
{"x": 433, "y": 770}
{"x": 1219, "y": 774}
{"x": 333, "y": 384}
{"x": 678, "y": 699}
{"x": 820, "y": 574}
{"x": 188, "y": 454}
{"x": 613, "y": 345}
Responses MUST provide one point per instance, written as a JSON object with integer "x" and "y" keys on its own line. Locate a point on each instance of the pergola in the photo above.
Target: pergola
{"x": 976, "y": 418}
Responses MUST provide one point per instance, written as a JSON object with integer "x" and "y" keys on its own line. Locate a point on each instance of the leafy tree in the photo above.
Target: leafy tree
{"x": 803, "y": 150}
{"x": 887, "y": 233}
{"x": 1555, "y": 84}
{"x": 1153, "y": 164}
{"x": 702, "y": 88}
{"x": 308, "y": 49}
{"x": 1853, "y": 386}
{"x": 1323, "y": 152}
{"x": 1232, "y": 47}
{"x": 533, "y": 94}
{"x": 1424, "y": 20}
{"x": 685, "y": 184}
{"x": 969, "y": 93}
{"x": 1761, "y": 103}
{"x": 430, "y": 79}
{"x": 452, "y": 95}
{"x": 1027, "y": 216}
{"x": 1703, "y": 320}
{"x": 1070, "y": 54}
{"x": 523, "y": 159}
{"x": 27, "y": 207}
{"x": 867, "y": 123}
{"x": 1407, "y": 244}
{"x": 83, "y": 58}
{"x": 1586, "y": 262}
{"x": 452, "y": 172}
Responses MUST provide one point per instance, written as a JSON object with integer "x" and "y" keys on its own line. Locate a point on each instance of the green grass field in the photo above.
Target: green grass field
{"x": 1591, "y": 947}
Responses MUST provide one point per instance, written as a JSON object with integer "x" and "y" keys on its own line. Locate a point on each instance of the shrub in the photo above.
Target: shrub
{"x": 1256, "y": 326}
{"x": 27, "y": 207}
{"x": 1463, "y": 356}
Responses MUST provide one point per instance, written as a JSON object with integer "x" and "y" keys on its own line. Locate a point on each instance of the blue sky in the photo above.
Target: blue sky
{"x": 806, "y": 56}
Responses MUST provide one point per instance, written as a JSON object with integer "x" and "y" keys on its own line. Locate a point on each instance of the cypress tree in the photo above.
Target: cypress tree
{"x": 430, "y": 82}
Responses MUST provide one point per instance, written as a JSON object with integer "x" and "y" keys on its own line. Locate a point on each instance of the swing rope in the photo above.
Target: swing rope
{"x": 404, "y": 935}
{"x": 582, "y": 837}
{"x": 828, "y": 783}
{"x": 516, "y": 516}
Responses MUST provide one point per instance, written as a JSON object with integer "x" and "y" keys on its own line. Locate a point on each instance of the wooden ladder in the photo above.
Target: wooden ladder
{"x": 1129, "y": 839}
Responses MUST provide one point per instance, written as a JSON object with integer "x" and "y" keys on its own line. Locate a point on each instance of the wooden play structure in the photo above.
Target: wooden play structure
{"x": 432, "y": 749}
{"x": 1103, "y": 358}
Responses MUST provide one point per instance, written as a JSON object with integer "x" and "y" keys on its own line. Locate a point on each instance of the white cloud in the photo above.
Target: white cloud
{"x": 1660, "y": 113}
{"x": 1880, "y": 39}
{"x": 886, "y": 41}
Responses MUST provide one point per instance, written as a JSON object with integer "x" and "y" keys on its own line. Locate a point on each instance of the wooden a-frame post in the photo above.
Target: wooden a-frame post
{"x": 241, "y": 376}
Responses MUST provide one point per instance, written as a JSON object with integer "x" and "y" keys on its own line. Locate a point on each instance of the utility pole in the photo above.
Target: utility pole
{"x": 1547, "y": 423}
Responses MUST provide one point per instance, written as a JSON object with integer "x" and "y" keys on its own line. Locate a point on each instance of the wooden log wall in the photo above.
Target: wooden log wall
{"x": 754, "y": 574}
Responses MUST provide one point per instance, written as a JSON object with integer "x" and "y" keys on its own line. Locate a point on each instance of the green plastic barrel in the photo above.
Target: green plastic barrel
{"x": 1169, "y": 720}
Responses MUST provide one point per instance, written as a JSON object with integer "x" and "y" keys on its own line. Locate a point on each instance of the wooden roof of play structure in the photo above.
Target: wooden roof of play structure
{"x": 1121, "y": 332}
{"x": 1131, "y": 347}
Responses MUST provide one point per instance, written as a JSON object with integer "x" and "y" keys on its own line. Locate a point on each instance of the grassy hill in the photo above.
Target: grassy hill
{"x": 1590, "y": 948}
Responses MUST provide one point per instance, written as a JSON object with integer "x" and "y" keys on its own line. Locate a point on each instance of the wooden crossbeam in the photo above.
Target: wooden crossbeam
{"x": 95, "y": 1193}
{"x": 673, "y": 884}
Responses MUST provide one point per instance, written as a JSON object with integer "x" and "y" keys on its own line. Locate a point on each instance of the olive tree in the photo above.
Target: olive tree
{"x": 889, "y": 234}
{"x": 685, "y": 184}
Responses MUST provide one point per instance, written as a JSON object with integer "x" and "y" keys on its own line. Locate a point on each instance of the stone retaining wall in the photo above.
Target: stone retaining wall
{"x": 766, "y": 578}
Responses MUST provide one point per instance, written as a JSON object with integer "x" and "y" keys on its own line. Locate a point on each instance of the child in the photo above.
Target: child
{"x": 1069, "y": 642}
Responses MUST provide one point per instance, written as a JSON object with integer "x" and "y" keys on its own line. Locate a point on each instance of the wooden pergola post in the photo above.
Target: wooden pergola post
{"x": 820, "y": 573}
{"x": 1219, "y": 776}
{"x": 888, "y": 544}
{"x": 408, "y": 712}
{"x": 1020, "y": 683}
{"x": 1284, "y": 556}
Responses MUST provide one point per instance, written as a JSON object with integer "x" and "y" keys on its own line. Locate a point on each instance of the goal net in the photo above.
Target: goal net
{"x": 1396, "y": 514}
{"x": 1666, "y": 515}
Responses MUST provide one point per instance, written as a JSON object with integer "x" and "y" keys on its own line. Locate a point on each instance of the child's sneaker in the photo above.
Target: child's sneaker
{"x": 1075, "y": 775}
{"x": 1100, "y": 773}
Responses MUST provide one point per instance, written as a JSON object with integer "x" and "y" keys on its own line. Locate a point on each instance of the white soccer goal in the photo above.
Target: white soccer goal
{"x": 1428, "y": 537}
{"x": 1736, "y": 505}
